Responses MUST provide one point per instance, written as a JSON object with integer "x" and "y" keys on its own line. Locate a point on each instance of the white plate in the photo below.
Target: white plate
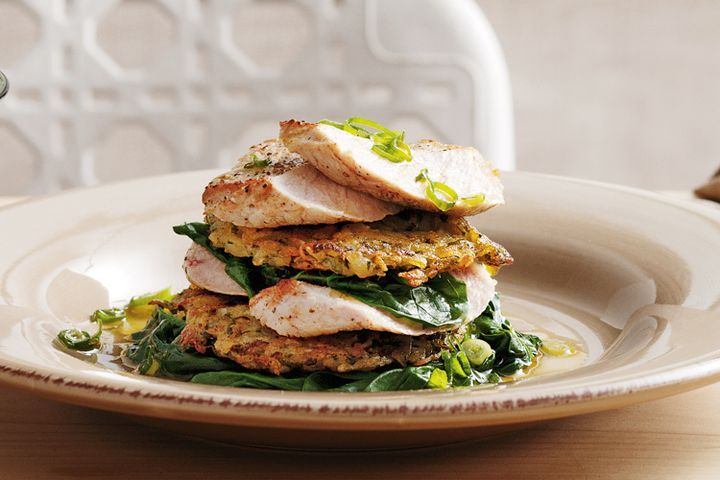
{"x": 633, "y": 276}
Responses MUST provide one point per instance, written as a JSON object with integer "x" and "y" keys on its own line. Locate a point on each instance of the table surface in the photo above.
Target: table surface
{"x": 672, "y": 438}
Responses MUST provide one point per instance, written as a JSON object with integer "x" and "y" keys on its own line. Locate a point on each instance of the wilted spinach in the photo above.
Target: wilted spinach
{"x": 408, "y": 378}
{"x": 439, "y": 302}
{"x": 156, "y": 351}
{"x": 513, "y": 350}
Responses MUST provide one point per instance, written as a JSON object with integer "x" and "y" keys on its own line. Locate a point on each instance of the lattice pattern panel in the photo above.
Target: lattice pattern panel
{"x": 104, "y": 90}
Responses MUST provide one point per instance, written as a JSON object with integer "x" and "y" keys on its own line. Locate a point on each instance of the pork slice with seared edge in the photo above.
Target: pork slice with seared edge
{"x": 272, "y": 187}
{"x": 299, "y": 309}
{"x": 349, "y": 160}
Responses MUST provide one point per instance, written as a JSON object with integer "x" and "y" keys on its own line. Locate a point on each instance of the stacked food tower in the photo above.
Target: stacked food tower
{"x": 340, "y": 248}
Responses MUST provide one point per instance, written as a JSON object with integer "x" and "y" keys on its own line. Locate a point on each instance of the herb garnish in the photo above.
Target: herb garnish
{"x": 389, "y": 144}
{"x": 108, "y": 315}
{"x": 80, "y": 339}
{"x": 138, "y": 310}
{"x": 443, "y": 196}
{"x": 256, "y": 162}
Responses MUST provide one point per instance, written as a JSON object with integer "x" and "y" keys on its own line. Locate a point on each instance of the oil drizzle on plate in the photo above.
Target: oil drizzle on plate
{"x": 558, "y": 354}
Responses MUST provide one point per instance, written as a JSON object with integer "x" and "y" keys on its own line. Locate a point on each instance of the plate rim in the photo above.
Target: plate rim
{"x": 223, "y": 410}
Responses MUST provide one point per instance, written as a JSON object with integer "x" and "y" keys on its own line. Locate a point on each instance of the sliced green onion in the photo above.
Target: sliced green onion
{"x": 256, "y": 162}
{"x": 392, "y": 147}
{"x": 461, "y": 365}
{"x": 163, "y": 295}
{"x": 80, "y": 339}
{"x": 150, "y": 368}
{"x": 108, "y": 315}
{"x": 443, "y": 196}
{"x": 138, "y": 306}
{"x": 394, "y": 156}
{"x": 357, "y": 131}
{"x": 438, "y": 379}
{"x": 389, "y": 144}
{"x": 447, "y": 359}
{"x": 332, "y": 124}
{"x": 368, "y": 123}
{"x": 401, "y": 146}
{"x": 474, "y": 200}
{"x": 434, "y": 190}
{"x": 351, "y": 129}
{"x": 450, "y": 196}
{"x": 477, "y": 351}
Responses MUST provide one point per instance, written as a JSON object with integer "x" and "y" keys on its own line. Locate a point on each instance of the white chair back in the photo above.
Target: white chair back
{"x": 103, "y": 90}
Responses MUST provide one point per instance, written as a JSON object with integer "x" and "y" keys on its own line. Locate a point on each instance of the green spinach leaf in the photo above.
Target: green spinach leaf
{"x": 338, "y": 382}
{"x": 513, "y": 350}
{"x": 408, "y": 378}
{"x": 439, "y": 302}
{"x": 156, "y": 352}
{"x": 248, "y": 380}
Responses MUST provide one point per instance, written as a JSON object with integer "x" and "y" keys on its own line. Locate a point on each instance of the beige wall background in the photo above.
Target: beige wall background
{"x": 625, "y": 91}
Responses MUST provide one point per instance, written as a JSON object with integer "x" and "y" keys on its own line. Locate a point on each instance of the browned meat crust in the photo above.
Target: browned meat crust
{"x": 223, "y": 325}
{"x": 417, "y": 243}
{"x": 271, "y": 187}
{"x": 339, "y": 160}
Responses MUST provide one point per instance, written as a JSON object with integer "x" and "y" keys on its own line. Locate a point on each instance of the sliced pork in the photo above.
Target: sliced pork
{"x": 272, "y": 187}
{"x": 204, "y": 270}
{"x": 349, "y": 160}
{"x": 298, "y": 309}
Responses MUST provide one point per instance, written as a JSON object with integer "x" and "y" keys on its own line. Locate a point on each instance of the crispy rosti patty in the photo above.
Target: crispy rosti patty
{"x": 416, "y": 244}
{"x": 223, "y": 325}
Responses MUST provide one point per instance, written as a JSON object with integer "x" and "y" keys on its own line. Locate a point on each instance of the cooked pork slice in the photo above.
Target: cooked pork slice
{"x": 480, "y": 288}
{"x": 349, "y": 160}
{"x": 206, "y": 271}
{"x": 294, "y": 308}
{"x": 271, "y": 187}
{"x": 224, "y": 326}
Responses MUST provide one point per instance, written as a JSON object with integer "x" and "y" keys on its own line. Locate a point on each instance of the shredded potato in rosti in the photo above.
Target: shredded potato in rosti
{"x": 417, "y": 245}
{"x": 223, "y": 325}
